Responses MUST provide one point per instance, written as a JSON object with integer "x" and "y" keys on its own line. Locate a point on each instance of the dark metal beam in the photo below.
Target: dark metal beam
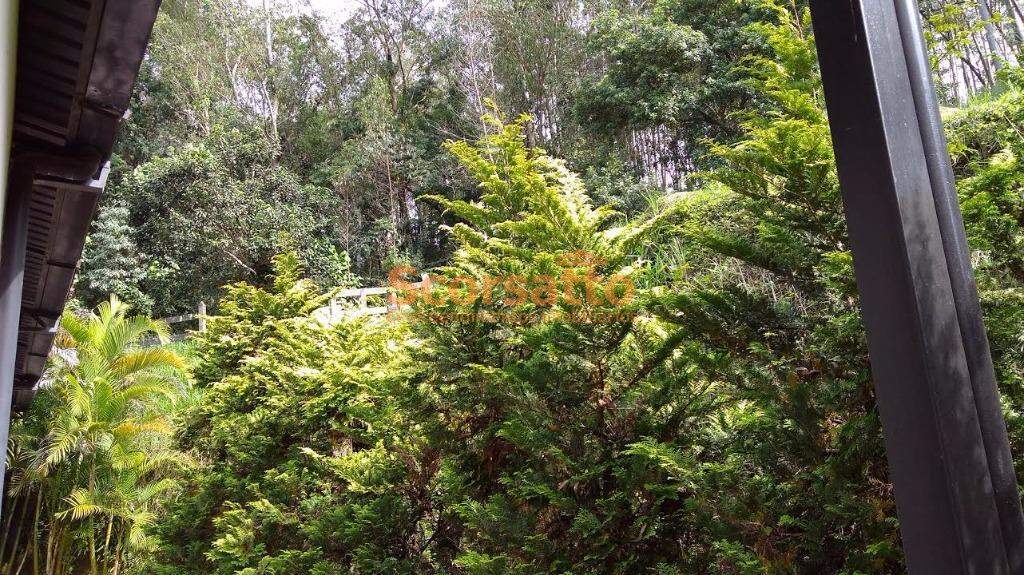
{"x": 965, "y": 290}
{"x": 949, "y": 459}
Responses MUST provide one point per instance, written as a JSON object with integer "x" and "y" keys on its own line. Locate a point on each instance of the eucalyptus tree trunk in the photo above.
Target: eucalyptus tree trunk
{"x": 269, "y": 83}
{"x": 990, "y": 34}
{"x": 1016, "y": 29}
{"x": 1017, "y": 15}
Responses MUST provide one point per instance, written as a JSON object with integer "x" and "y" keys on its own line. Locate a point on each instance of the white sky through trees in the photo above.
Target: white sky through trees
{"x": 331, "y": 10}
{"x": 335, "y": 10}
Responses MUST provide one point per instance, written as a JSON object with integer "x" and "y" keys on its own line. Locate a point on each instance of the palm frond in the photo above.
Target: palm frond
{"x": 133, "y": 428}
{"x": 146, "y": 359}
{"x": 138, "y": 540}
{"x": 147, "y": 391}
{"x": 59, "y": 444}
{"x": 81, "y": 505}
{"x": 72, "y": 331}
{"x": 150, "y": 490}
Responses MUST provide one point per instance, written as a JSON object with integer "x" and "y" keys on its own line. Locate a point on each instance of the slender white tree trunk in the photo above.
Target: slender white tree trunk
{"x": 990, "y": 35}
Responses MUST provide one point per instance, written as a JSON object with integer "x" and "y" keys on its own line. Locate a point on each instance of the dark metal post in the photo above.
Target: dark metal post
{"x": 965, "y": 290}
{"x": 12, "y": 273}
{"x": 949, "y": 457}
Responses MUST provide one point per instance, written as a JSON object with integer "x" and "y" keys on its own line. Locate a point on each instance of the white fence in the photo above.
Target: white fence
{"x": 340, "y": 305}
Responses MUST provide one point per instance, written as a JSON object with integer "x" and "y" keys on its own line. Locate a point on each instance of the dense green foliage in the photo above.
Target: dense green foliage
{"x": 724, "y": 424}
{"x": 677, "y": 73}
{"x": 91, "y": 460}
{"x": 768, "y": 320}
{"x": 301, "y": 467}
{"x": 620, "y": 364}
{"x": 987, "y": 143}
{"x": 261, "y": 131}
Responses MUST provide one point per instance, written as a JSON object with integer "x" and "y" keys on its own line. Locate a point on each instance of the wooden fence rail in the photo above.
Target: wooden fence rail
{"x": 337, "y": 310}
{"x": 199, "y": 316}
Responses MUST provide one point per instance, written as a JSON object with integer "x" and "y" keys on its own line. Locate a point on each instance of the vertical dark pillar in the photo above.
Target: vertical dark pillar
{"x": 945, "y": 439}
{"x": 965, "y": 291}
{"x": 12, "y": 273}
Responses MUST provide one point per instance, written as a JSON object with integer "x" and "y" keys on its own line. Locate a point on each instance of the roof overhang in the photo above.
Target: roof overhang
{"x": 77, "y": 62}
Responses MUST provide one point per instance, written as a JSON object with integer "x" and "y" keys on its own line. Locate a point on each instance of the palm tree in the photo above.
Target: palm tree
{"x": 101, "y": 457}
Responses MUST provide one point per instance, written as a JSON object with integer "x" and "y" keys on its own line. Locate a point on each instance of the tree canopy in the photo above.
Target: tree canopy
{"x": 638, "y": 348}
